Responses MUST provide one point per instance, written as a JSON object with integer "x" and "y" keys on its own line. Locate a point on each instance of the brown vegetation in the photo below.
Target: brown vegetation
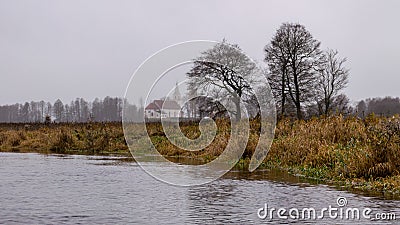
{"x": 359, "y": 152}
{"x": 65, "y": 138}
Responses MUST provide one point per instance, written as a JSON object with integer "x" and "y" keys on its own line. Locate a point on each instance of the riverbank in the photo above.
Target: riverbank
{"x": 349, "y": 152}
{"x": 64, "y": 138}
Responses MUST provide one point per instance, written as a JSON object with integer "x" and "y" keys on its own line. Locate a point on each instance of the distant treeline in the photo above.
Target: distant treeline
{"x": 387, "y": 106}
{"x": 79, "y": 110}
{"x": 110, "y": 109}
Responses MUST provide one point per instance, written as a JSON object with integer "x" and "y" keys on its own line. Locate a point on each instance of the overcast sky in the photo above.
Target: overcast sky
{"x": 66, "y": 49}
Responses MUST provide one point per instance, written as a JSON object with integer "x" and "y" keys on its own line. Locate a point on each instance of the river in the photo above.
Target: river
{"x": 56, "y": 189}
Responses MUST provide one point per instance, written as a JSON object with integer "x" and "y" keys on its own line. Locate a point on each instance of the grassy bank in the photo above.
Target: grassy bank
{"x": 64, "y": 138}
{"x": 361, "y": 154}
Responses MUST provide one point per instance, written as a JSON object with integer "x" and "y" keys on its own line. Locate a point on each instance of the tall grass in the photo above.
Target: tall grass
{"x": 334, "y": 148}
{"x": 342, "y": 147}
{"x": 69, "y": 138}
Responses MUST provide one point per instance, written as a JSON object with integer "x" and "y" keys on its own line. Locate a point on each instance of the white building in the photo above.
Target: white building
{"x": 163, "y": 109}
{"x": 166, "y": 108}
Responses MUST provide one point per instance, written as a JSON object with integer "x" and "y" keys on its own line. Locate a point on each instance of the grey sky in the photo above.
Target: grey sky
{"x": 66, "y": 49}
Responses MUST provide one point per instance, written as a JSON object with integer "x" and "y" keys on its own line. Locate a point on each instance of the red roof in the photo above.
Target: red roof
{"x": 152, "y": 106}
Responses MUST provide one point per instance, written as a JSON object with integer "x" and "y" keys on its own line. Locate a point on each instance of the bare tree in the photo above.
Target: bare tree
{"x": 58, "y": 110}
{"x": 333, "y": 78}
{"x": 224, "y": 73}
{"x": 361, "y": 109}
{"x": 42, "y": 106}
{"x": 294, "y": 57}
{"x": 49, "y": 109}
{"x": 278, "y": 62}
{"x": 341, "y": 105}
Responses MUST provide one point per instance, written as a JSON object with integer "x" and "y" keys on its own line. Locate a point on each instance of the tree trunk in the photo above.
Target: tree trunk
{"x": 298, "y": 111}
{"x": 297, "y": 93}
{"x": 327, "y": 106}
{"x": 238, "y": 109}
{"x": 283, "y": 94}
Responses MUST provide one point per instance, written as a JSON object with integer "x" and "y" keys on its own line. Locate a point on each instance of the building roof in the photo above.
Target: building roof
{"x": 152, "y": 106}
{"x": 163, "y": 104}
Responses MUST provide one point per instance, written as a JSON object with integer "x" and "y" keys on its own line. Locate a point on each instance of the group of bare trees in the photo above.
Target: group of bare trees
{"x": 304, "y": 79}
{"x": 302, "y": 76}
{"x": 29, "y": 111}
{"x": 79, "y": 110}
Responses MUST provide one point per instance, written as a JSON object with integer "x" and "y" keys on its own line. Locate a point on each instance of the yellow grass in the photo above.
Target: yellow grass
{"x": 360, "y": 153}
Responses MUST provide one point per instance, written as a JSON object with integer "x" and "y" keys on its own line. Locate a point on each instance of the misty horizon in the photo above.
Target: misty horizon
{"x": 91, "y": 49}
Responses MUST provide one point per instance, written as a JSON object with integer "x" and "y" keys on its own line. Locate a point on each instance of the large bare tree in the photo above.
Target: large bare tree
{"x": 294, "y": 57}
{"x": 278, "y": 62}
{"x": 333, "y": 78}
{"x": 225, "y": 74}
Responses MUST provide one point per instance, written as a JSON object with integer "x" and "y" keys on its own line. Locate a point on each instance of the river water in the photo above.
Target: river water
{"x": 54, "y": 189}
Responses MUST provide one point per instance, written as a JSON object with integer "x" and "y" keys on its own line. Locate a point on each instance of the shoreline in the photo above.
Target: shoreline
{"x": 349, "y": 153}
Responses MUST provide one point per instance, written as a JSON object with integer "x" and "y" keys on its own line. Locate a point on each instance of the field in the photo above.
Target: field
{"x": 352, "y": 152}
